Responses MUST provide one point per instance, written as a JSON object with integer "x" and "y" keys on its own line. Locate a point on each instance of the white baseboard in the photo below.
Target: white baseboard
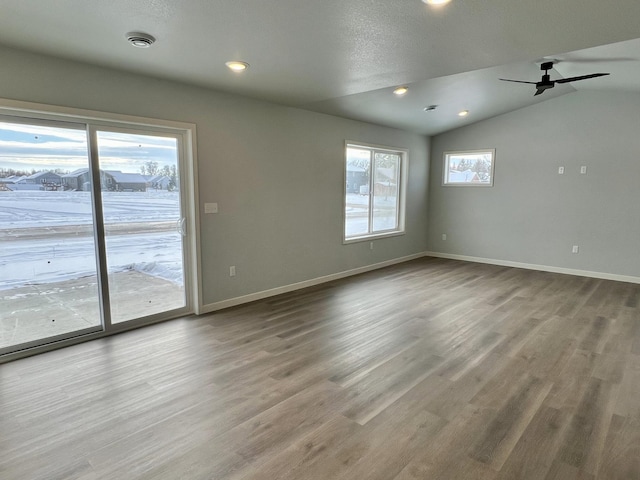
{"x": 543, "y": 268}
{"x": 252, "y": 297}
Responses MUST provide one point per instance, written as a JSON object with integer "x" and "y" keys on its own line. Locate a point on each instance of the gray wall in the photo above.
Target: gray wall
{"x": 276, "y": 172}
{"x": 532, "y": 214}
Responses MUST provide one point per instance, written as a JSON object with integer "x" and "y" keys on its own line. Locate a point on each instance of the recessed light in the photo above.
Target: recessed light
{"x": 140, "y": 40}
{"x": 430, "y": 108}
{"x": 463, "y": 113}
{"x": 400, "y": 91}
{"x": 436, "y": 3}
{"x": 236, "y": 66}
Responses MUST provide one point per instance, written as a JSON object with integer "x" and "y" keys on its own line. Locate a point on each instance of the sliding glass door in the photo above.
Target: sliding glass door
{"x": 144, "y": 223}
{"x": 92, "y": 229}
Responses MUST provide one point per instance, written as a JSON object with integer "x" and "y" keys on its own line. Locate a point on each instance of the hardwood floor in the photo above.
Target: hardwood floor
{"x": 433, "y": 369}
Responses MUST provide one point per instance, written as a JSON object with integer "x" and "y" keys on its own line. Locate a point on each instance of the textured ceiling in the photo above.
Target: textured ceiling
{"x": 345, "y": 57}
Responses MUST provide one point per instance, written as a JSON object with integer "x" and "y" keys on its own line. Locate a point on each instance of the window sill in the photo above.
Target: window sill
{"x": 374, "y": 236}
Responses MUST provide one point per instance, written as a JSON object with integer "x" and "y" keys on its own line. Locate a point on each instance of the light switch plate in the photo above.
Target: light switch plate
{"x": 210, "y": 208}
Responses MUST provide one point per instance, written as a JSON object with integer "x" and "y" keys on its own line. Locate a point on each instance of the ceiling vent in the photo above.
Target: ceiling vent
{"x": 140, "y": 40}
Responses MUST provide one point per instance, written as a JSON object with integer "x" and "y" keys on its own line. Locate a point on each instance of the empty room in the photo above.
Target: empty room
{"x": 337, "y": 240}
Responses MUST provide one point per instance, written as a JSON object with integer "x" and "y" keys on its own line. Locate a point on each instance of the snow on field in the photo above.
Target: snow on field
{"x": 45, "y": 261}
{"x": 57, "y": 258}
{"x": 37, "y": 208}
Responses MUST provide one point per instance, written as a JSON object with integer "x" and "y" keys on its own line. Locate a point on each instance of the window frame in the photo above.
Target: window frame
{"x": 90, "y": 121}
{"x": 403, "y": 153}
{"x": 445, "y": 167}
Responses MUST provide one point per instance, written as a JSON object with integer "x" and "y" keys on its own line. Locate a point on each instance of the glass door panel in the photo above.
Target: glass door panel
{"x": 143, "y": 222}
{"x": 48, "y": 272}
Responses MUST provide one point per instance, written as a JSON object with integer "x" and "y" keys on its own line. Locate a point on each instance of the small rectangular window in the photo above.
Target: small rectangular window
{"x": 374, "y": 192}
{"x": 470, "y": 168}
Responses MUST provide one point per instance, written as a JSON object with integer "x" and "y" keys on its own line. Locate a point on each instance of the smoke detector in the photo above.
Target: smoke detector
{"x": 140, "y": 40}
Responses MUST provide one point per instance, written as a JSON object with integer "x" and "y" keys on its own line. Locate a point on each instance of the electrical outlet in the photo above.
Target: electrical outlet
{"x": 560, "y": 170}
{"x": 232, "y": 271}
{"x": 370, "y": 245}
{"x": 583, "y": 169}
{"x": 575, "y": 249}
{"x": 210, "y": 208}
{"x": 444, "y": 236}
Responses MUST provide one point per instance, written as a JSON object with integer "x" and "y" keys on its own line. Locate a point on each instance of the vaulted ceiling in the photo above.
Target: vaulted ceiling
{"x": 344, "y": 57}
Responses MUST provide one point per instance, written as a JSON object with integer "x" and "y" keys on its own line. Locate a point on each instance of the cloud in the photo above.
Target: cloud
{"x": 27, "y": 147}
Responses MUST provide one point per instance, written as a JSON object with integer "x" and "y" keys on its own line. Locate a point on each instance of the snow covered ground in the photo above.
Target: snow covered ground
{"x": 26, "y": 258}
{"x": 357, "y": 213}
{"x": 38, "y": 208}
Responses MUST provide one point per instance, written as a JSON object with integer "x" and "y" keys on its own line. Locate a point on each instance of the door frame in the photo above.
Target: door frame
{"x": 187, "y": 157}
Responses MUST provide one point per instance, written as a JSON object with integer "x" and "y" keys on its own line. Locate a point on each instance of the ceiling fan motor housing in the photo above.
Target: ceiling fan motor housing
{"x": 545, "y": 82}
{"x": 546, "y": 66}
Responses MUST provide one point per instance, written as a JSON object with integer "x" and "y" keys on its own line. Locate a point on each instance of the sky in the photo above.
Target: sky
{"x": 27, "y": 147}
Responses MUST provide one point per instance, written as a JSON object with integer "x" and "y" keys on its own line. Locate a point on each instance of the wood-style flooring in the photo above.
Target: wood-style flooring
{"x": 432, "y": 369}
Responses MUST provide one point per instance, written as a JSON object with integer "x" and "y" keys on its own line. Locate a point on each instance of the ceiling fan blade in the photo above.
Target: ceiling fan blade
{"x": 594, "y": 60}
{"x": 539, "y": 91}
{"x": 516, "y": 81}
{"x": 582, "y": 77}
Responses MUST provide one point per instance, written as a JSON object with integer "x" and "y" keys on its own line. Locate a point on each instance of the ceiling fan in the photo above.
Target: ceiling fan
{"x": 546, "y": 82}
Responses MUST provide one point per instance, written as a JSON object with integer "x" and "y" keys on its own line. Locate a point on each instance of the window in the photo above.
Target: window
{"x": 374, "y": 192}
{"x": 472, "y": 168}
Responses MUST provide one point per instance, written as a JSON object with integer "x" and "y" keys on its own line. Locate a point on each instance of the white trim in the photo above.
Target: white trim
{"x": 372, "y": 237}
{"x": 191, "y": 175}
{"x": 542, "y": 268}
{"x": 84, "y": 115}
{"x": 252, "y": 297}
{"x": 375, "y": 146}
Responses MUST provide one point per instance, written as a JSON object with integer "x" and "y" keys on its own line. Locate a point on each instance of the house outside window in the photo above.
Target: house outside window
{"x": 374, "y": 192}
